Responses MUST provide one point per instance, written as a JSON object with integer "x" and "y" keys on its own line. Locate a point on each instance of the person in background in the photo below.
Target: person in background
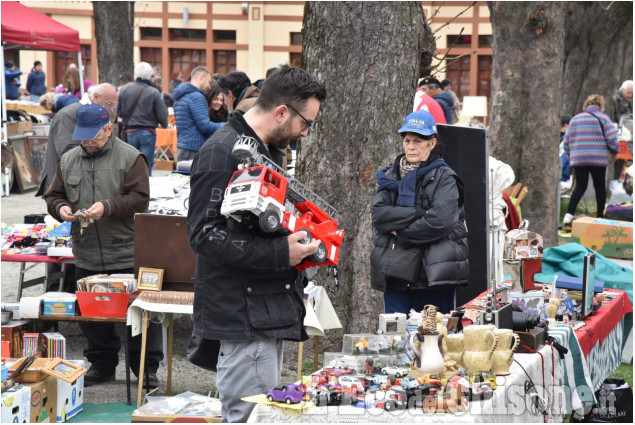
{"x": 36, "y": 82}
{"x": 125, "y": 78}
{"x": 418, "y": 208}
{"x": 234, "y": 85}
{"x": 177, "y": 78}
{"x": 142, "y": 119}
{"x": 565, "y": 166}
{"x": 588, "y": 142}
{"x": 425, "y": 102}
{"x": 216, "y": 100}
{"x": 105, "y": 180}
{"x": 156, "y": 78}
{"x": 72, "y": 82}
{"x": 191, "y": 114}
{"x": 432, "y": 87}
{"x": 55, "y": 101}
{"x": 247, "y": 292}
{"x": 446, "y": 85}
{"x": 622, "y": 101}
{"x": 11, "y": 81}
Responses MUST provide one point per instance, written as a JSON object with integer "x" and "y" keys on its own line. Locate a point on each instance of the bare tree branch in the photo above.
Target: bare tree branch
{"x": 435, "y": 13}
{"x": 607, "y": 7}
{"x": 452, "y": 20}
{"x": 448, "y": 63}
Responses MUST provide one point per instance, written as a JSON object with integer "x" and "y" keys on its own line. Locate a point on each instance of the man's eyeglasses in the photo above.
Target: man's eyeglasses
{"x": 309, "y": 123}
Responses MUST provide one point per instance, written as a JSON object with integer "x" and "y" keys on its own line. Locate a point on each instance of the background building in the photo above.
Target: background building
{"x": 252, "y": 37}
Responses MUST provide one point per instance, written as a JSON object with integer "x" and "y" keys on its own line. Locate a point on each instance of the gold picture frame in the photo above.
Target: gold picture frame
{"x": 64, "y": 370}
{"x": 150, "y": 279}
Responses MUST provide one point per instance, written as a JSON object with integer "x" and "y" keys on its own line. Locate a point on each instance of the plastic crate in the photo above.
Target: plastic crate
{"x": 103, "y": 304}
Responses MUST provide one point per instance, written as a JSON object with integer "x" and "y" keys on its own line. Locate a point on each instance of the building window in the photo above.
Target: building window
{"x": 186, "y": 60}
{"x": 223, "y": 36}
{"x": 224, "y": 61}
{"x": 484, "y": 75}
{"x": 64, "y": 59}
{"x": 148, "y": 33}
{"x": 458, "y": 71}
{"x": 295, "y": 59}
{"x": 296, "y": 39}
{"x": 459, "y": 40}
{"x": 485, "y": 40}
{"x": 180, "y": 34}
{"x": 152, "y": 55}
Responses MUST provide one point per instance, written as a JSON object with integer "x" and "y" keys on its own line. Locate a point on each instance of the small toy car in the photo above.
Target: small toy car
{"x": 289, "y": 394}
{"x": 482, "y": 384}
{"x": 433, "y": 379}
{"x": 395, "y": 370}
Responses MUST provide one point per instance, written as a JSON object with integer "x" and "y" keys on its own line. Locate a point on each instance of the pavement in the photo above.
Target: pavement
{"x": 185, "y": 375}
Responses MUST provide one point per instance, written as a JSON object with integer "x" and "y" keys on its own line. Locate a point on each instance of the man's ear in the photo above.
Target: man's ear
{"x": 280, "y": 111}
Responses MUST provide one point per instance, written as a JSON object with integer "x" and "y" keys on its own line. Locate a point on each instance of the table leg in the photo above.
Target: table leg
{"x": 20, "y": 281}
{"x": 170, "y": 340}
{"x": 300, "y": 349}
{"x": 126, "y": 345}
{"x": 142, "y": 363}
{"x": 316, "y": 352}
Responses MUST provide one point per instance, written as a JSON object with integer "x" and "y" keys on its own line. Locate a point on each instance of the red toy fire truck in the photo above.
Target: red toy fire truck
{"x": 279, "y": 201}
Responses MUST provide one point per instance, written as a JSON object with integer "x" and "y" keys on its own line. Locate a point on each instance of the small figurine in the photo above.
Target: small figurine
{"x": 362, "y": 345}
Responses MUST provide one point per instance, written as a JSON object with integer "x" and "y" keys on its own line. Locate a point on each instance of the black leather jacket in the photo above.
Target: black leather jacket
{"x": 437, "y": 227}
{"x": 244, "y": 287}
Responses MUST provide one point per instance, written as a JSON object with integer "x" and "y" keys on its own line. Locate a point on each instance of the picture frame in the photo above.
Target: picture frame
{"x": 63, "y": 369}
{"x": 150, "y": 279}
{"x": 25, "y": 174}
{"x": 37, "y": 148}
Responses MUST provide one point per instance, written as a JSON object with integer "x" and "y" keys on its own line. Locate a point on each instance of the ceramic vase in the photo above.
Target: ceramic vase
{"x": 478, "y": 361}
{"x": 428, "y": 356}
{"x": 455, "y": 348}
{"x": 503, "y": 356}
{"x": 479, "y": 338}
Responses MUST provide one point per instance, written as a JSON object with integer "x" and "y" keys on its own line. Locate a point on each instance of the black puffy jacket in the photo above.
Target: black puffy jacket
{"x": 437, "y": 227}
{"x": 244, "y": 287}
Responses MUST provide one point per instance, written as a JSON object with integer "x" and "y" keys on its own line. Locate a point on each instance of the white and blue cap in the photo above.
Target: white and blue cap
{"x": 89, "y": 119}
{"x": 420, "y": 122}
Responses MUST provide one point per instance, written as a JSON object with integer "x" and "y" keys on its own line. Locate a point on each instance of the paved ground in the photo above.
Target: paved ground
{"x": 185, "y": 376}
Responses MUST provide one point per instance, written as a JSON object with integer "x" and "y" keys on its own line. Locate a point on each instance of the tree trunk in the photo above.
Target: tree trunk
{"x": 113, "y": 31}
{"x": 598, "y": 52}
{"x": 528, "y": 43}
{"x": 369, "y": 56}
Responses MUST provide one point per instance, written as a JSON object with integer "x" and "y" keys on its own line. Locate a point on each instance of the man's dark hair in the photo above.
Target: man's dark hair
{"x": 270, "y": 71}
{"x": 564, "y": 119}
{"x": 445, "y": 83}
{"x": 236, "y": 81}
{"x": 289, "y": 85}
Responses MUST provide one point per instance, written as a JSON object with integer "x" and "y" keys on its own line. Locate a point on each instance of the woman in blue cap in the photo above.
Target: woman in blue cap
{"x": 421, "y": 252}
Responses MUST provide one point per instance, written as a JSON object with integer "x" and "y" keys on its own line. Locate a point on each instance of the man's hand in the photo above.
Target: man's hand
{"x": 66, "y": 213}
{"x": 298, "y": 251}
{"x": 96, "y": 211}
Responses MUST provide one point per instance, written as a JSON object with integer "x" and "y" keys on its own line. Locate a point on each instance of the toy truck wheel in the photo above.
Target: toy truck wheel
{"x": 308, "y": 238}
{"x": 288, "y": 400}
{"x": 319, "y": 256}
{"x": 270, "y": 398}
{"x": 269, "y": 221}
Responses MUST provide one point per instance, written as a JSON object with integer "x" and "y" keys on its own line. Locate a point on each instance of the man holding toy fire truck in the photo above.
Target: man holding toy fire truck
{"x": 248, "y": 294}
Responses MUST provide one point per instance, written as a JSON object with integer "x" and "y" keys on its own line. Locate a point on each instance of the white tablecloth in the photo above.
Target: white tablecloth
{"x": 509, "y": 403}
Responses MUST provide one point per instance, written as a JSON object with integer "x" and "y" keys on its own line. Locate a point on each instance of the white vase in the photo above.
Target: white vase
{"x": 431, "y": 358}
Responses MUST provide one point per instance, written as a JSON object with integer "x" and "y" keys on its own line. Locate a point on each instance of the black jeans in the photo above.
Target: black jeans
{"x": 104, "y": 343}
{"x": 581, "y": 174}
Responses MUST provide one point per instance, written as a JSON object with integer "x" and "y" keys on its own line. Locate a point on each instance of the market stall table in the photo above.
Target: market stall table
{"x": 38, "y": 259}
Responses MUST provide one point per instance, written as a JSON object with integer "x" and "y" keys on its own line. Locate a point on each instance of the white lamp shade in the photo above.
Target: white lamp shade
{"x": 474, "y": 106}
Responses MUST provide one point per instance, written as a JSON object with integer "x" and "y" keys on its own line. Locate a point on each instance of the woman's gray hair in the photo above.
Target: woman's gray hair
{"x": 626, "y": 84}
{"x": 143, "y": 70}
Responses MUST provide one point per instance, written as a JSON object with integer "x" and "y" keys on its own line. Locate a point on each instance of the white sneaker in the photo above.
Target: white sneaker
{"x": 567, "y": 219}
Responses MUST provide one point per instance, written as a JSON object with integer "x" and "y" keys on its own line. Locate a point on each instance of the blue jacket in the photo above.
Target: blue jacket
{"x": 447, "y": 103}
{"x": 193, "y": 125}
{"x": 36, "y": 83}
{"x": 12, "y": 89}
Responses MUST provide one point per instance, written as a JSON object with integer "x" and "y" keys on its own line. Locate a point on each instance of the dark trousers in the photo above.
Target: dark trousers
{"x": 581, "y": 174}
{"x": 415, "y": 299}
{"x": 104, "y": 343}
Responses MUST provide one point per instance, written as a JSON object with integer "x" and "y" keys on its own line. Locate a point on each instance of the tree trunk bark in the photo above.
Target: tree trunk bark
{"x": 369, "y": 56}
{"x": 598, "y": 52}
{"x": 528, "y": 43}
{"x": 113, "y": 31}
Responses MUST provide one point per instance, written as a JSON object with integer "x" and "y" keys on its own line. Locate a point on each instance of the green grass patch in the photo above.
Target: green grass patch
{"x": 625, "y": 372}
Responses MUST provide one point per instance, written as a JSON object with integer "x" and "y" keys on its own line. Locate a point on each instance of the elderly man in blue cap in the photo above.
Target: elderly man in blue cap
{"x": 104, "y": 181}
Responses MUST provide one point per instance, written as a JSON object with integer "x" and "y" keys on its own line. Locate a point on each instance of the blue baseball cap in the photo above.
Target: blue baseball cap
{"x": 90, "y": 118}
{"x": 420, "y": 122}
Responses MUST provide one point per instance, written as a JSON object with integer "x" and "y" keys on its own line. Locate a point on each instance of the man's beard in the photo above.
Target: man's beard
{"x": 281, "y": 136}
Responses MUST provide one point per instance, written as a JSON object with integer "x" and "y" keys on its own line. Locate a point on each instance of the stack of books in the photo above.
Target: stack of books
{"x": 31, "y": 344}
{"x": 53, "y": 345}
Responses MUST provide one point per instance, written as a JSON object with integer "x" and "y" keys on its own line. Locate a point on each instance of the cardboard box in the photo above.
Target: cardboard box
{"x": 164, "y": 165}
{"x": 18, "y": 127}
{"x": 70, "y": 397}
{"x": 44, "y": 401}
{"x": 610, "y": 238}
{"x": 54, "y": 307}
{"x": 16, "y": 405}
{"x": 34, "y": 373}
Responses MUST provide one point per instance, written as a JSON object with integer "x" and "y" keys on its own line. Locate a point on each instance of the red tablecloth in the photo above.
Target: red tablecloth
{"x": 602, "y": 322}
{"x": 25, "y": 258}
